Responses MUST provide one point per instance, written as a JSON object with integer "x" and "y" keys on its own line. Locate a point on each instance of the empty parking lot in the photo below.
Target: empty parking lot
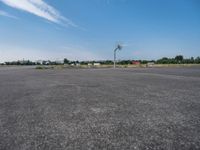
{"x": 141, "y": 108}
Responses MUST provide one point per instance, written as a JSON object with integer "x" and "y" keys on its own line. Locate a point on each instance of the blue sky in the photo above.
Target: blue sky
{"x": 89, "y": 29}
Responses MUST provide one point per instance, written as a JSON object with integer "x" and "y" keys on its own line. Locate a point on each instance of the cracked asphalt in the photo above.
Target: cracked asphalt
{"x": 141, "y": 108}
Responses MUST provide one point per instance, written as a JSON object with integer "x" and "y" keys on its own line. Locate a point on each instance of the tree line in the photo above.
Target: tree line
{"x": 179, "y": 59}
{"x": 29, "y": 63}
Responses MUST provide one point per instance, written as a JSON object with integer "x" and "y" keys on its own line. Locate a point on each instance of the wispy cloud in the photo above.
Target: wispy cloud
{"x": 41, "y": 9}
{"x": 3, "y": 13}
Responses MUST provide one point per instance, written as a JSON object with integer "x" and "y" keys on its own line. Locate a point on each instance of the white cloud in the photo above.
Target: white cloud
{"x": 41, "y": 9}
{"x": 3, "y": 13}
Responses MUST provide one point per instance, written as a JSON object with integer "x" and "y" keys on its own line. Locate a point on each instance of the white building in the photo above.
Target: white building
{"x": 96, "y": 64}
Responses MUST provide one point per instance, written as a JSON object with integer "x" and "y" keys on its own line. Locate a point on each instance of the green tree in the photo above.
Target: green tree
{"x": 192, "y": 60}
{"x": 66, "y": 61}
{"x": 164, "y": 60}
{"x": 197, "y": 60}
{"x": 179, "y": 58}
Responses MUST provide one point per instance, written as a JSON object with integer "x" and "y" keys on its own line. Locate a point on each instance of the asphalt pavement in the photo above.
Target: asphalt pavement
{"x": 138, "y": 108}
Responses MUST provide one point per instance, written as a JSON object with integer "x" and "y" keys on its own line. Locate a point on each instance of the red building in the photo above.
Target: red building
{"x": 135, "y": 62}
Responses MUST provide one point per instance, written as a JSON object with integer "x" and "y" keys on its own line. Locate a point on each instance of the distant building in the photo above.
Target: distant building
{"x": 150, "y": 64}
{"x": 96, "y": 64}
{"x": 135, "y": 62}
{"x": 39, "y": 61}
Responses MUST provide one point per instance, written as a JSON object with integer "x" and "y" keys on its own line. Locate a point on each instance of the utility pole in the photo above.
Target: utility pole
{"x": 119, "y": 47}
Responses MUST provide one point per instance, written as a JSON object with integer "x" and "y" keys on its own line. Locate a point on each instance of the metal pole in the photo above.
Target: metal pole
{"x": 119, "y": 47}
{"x": 115, "y": 58}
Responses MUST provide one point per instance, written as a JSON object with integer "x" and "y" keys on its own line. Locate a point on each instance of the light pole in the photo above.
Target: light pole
{"x": 119, "y": 47}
